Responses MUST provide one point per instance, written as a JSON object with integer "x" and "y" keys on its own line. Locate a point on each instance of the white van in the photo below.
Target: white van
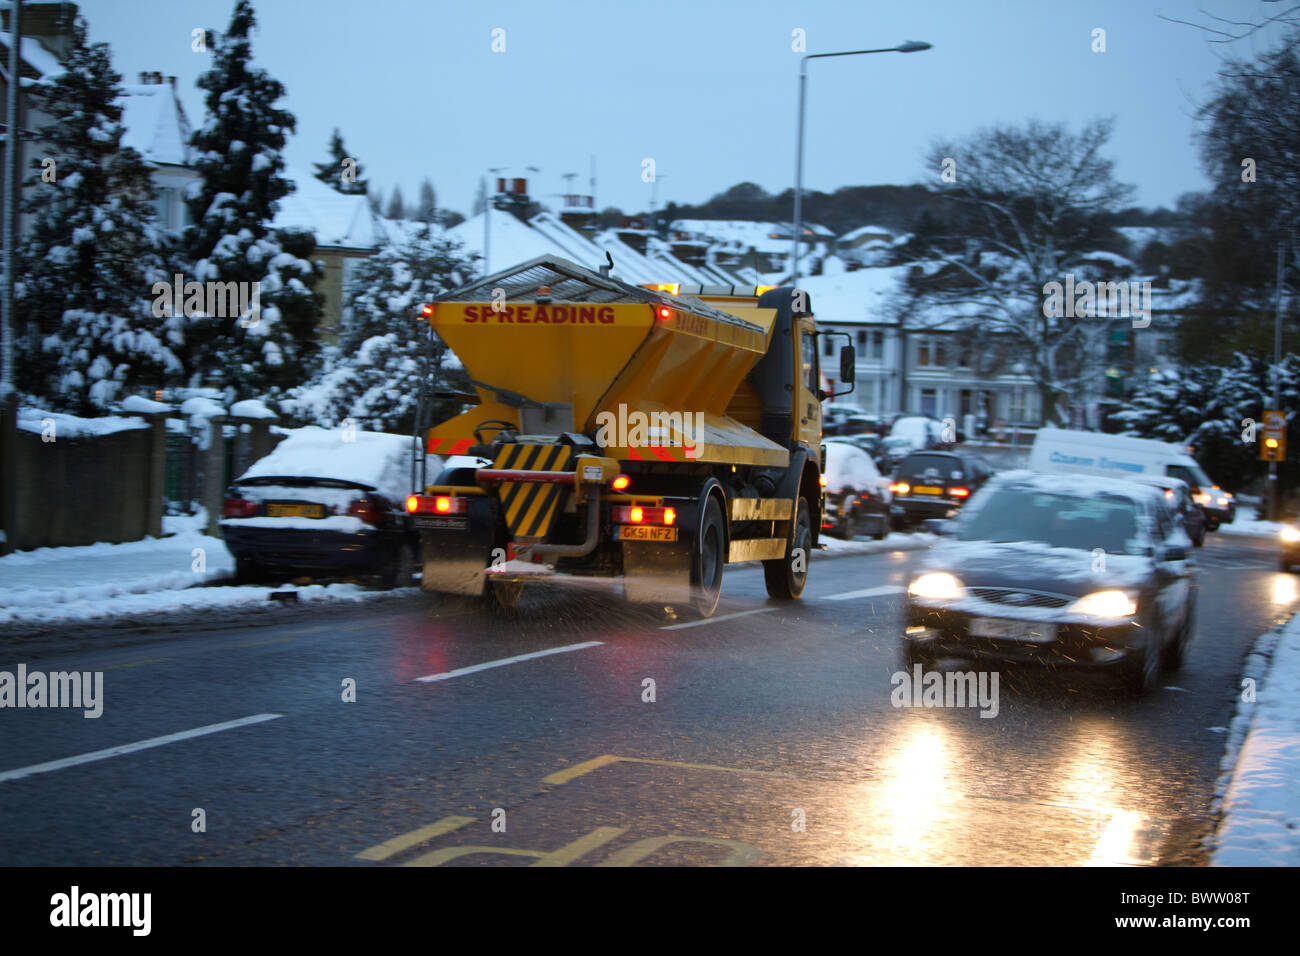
{"x": 1060, "y": 451}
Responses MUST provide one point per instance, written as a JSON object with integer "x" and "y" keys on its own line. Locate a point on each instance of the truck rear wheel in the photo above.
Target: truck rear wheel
{"x": 708, "y": 560}
{"x": 783, "y": 581}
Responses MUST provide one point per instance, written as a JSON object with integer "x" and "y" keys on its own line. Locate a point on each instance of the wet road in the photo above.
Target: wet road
{"x": 767, "y": 736}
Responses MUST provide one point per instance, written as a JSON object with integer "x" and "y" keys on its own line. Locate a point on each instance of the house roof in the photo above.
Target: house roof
{"x": 513, "y": 241}
{"x": 741, "y": 235}
{"x": 37, "y": 59}
{"x": 338, "y": 220}
{"x": 155, "y": 124}
{"x": 866, "y": 231}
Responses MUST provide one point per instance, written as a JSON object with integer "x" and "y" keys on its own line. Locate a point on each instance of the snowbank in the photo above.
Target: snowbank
{"x": 70, "y": 426}
{"x": 1261, "y": 822}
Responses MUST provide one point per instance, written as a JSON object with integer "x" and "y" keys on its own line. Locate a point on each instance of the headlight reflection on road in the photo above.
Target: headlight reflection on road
{"x": 1284, "y": 589}
{"x": 1090, "y": 785}
{"x": 917, "y": 790}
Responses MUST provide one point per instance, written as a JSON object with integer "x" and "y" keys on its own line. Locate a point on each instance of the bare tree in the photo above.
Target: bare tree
{"x": 1029, "y": 207}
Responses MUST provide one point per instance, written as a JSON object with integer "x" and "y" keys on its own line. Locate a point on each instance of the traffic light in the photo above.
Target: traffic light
{"x": 1272, "y": 446}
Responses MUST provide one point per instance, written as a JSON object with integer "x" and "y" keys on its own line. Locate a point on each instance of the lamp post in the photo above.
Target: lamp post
{"x": 911, "y": 46}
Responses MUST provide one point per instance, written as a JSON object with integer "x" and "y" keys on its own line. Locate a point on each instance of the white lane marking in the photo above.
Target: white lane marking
{"x": 715, "y": 620}
{"x": 132, "y": 748}
{"x": 462, "y": 671}
{"x": 865, "y": 593}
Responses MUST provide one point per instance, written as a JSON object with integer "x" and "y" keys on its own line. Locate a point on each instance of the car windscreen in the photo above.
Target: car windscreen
{"x": 1108, "y": 522}
{"x": 939, "y": 468}
{"x": 1192, "y": 474}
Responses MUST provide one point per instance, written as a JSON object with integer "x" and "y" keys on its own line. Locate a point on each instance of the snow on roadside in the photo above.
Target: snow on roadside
{"x": 1261, "y": 805}
{"x": 191, "y": 599}
{"x": 50, "y": 584}
{"x": 1243, "y": 525}
{"x": 892, "y": 542}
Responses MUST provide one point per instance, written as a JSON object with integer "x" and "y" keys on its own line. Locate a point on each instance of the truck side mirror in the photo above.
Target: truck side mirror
{"x": 848, "y": 365}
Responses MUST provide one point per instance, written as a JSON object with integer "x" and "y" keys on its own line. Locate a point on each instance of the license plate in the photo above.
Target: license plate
{"x": 295, "y": 511}
{"x": 643, "y": 532}
{"x": 441, "y": 523}
{"x": 1012, "y": 630}
{"x": 927, "y": 490}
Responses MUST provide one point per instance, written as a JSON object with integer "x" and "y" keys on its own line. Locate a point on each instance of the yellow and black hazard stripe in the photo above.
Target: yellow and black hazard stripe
{"x": 530, "y": 507}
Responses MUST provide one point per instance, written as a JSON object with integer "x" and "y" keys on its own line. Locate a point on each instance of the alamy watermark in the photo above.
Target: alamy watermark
{"x": 64, "y": 689}
{"x": 220, "y": 300}
{"x": 638, "y": 429}
{"x": 1090, "y": 300}
{"x": 946, "y": 689}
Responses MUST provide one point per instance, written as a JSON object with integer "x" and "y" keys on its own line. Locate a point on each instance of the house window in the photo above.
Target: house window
{"x": 162, "y": 207}
{"x": 930, "y": 352}
{"x": 862, "y": 341}
{"x": 877, "y": 350}
{"x": 828, "y": 346}
{"x": 964, "y": 357}
{"x": 1019, "y": 405}
{"x": 1163, "y": 347}
{"x": 929, "y": 402}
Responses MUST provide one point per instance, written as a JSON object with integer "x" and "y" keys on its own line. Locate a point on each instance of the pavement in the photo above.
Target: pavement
{"x": 766, "y": 710}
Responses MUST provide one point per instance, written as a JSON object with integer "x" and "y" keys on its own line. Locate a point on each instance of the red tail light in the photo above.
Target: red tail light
{"x": 642, "y": 514}
{"x": 959, "y": 492}
{"x": 900, "y": 487}
{"x": 365, "y": 509}
{"x": 437, "y": 504}
{"x": 238, "y": 508}
{"x": 620, "y": 482}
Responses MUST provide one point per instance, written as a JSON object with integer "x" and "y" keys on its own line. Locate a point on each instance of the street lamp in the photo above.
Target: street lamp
{"x": 911, "y": 46}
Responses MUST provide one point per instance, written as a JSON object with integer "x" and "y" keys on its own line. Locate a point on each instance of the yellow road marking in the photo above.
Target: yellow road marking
{"x": 407, "y": 840}
{"x": 577, "y": 770}
{"x": 584, "y": 844}
{"x": 742, "y": 854}
{"x": 561, "y": 857}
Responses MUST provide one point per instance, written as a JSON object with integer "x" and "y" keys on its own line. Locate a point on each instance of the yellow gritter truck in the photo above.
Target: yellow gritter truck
{"x": 648, "y": 434}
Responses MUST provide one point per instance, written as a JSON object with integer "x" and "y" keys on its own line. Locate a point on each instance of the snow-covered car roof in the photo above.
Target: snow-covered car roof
{"x": 376, "y": 460}
{"x": 1080, "y": 485}
{"x": 848, "y": 466}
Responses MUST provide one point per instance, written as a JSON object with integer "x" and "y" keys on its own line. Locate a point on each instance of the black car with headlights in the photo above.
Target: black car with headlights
{"x": 1093, "y": 572}
{"x": 934, "y": 484}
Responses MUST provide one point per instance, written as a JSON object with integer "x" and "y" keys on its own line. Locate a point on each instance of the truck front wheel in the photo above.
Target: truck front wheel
{"x": 785, "y": 577}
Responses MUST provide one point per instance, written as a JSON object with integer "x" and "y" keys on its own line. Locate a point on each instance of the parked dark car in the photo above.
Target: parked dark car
{"x": 1091, "y": 573}
{"x": 869, "y": 442}
{"x": 857, "y": 497}
{"x": 934, "y": 484}
{"x": 325, "y": 503}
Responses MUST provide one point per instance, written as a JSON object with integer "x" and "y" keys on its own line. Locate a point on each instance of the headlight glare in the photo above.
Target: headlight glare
{"x": 1112, "y": 604}
{"x": 937, "y": 586}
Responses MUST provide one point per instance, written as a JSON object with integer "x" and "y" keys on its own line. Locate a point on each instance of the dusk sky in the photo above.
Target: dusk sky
{"x": 708, "y": 90}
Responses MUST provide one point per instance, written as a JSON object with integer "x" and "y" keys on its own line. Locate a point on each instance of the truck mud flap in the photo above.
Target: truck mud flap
{"x": 657, "y": 573}
{"x": 660, "y": 572}
{"x": 456, "y": 559}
